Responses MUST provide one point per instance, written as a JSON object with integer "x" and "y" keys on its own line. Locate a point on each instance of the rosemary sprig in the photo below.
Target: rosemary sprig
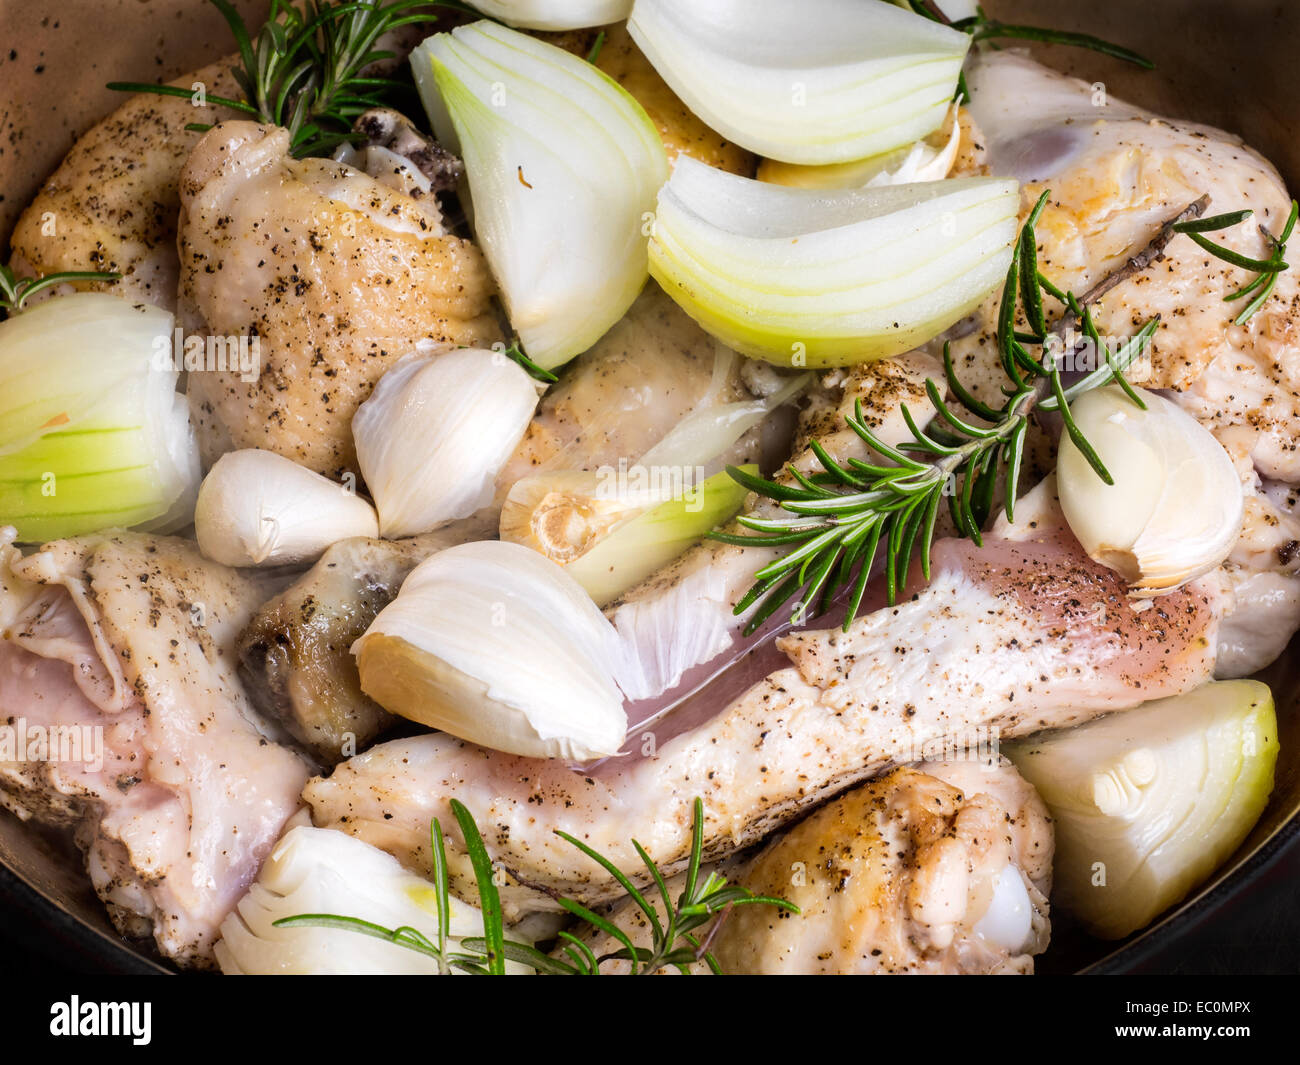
{"x": 675, "y": 941}
{"x": 1267, "y": 270}
{"x": 845, "y": 516}
{"x": 983, "y": 28}
{"x": 304, "y": 68}
{"x": 14, "y": 293}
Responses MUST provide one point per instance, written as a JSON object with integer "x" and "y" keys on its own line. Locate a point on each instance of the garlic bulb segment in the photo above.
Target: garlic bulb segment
{"x": 436, "y": 431}
{"x": 811, "y": 278}
{"x": 497, "y": 645}
{"x": 257, "y": 508}
{"x": 555, "y": 14}
{"x": 563, "y": 166}
{"x": 1176, "y": 507}
{"x": 815, "y": 82}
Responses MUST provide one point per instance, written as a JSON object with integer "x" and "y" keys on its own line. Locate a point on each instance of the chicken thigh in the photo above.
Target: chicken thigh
{"x": 336, "y": 276}
{"x": 112, "y": 203}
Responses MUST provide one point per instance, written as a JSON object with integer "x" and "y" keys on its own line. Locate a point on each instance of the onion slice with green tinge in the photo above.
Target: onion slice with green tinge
{"x": 563, "y": 166}
{"x": 816, "y": 82}
{"x": 93, "y": 433}
{"x": 1149, "y": 802}
{"x": 811, "y": 278}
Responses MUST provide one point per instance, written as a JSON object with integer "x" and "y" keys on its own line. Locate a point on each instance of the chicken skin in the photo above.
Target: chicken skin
{"x": 941, "y": 868}
{"x": 336, "y": 275}
{"x": 131, "y": 638}
{"x": 113, "y": 202}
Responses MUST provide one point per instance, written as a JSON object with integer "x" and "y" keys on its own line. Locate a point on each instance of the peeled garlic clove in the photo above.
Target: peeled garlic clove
{"x": 497, "y": 645}
{"x": 436, "y": 431}
{"x": 257, "y": 508}
{"x": 564, "y": 514}
{"x": 1175, "y": 509}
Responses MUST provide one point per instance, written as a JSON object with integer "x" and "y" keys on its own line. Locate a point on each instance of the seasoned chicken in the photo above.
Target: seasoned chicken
{"x": 335, "y": 274}
{"x": 112, "y": 203}
{"x": 1116, "y": 174}
{"x": 616, "y": 401}
{"x": 1021, "y": 635}
{"x": 941, "y": 868}
{"x": 682, "y": 132}
{"x": 123, "y": 644}
{"x": 622, "y": 397}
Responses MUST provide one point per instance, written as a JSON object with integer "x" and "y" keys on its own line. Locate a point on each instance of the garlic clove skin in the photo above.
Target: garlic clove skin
{"x": 499, "y": 646}
{"x": 1176, "y": 507}
{"x": 257, "y": 508}
{"x": 435, "y": 433}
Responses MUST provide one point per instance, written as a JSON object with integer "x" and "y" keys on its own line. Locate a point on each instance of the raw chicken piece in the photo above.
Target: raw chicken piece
{"x": 113, "y": 201}
{"x": 1013, "y": 638}
{"x": 943, "y": 868}
{"x": 1116, "y": 174}
{"x": 336, "y": 275}
{"x": 622, "y": 397}
{"x": 180, "y": 789}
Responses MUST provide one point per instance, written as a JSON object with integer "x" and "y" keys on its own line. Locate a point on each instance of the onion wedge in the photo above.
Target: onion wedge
{"x": 822, "y": 81}
{"x": 809, "y": 278}
{"x": 563, "y": 166}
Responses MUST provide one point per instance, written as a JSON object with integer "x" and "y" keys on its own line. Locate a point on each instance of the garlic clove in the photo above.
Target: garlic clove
{"x": 1176, "y": 507}
{"x": 257, "y": 508}
{"x": 497, "y": 645}
{"x": 436, "y": 431}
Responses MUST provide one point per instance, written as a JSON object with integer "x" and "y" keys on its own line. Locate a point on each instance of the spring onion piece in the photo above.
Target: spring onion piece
{"x": 436, "y": 431}
{"x": 926, "y": 160}
{"x": 635, "y": 550}
{"x": 807, "y": 278}
{"x": 822, "y": 81}
{"x": 93, "y": 433}
{"x": 322, "y": 870}
{"x": 1175, "y": 510}
{"x": 555, "y": 14}
{"x": 611, "y": 528}
{"x": 497, "y": 645}
{"x": 1149, "y": 802}
{"x": 563, "y": 166}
